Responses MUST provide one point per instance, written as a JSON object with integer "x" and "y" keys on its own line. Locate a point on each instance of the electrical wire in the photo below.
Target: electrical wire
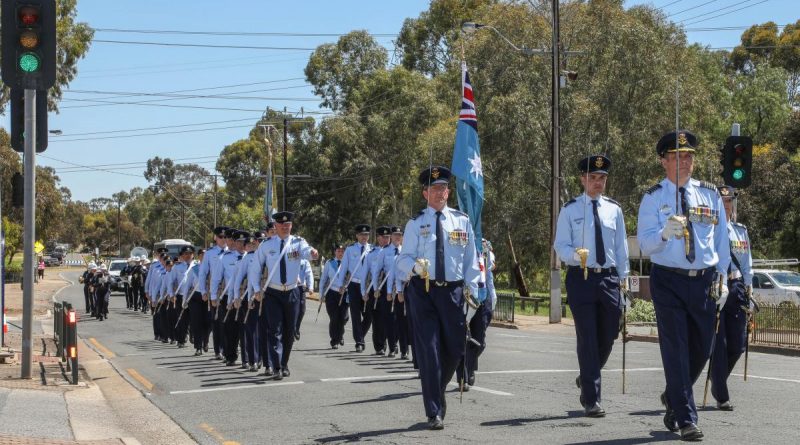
{"x": 234, "y": 33}
{"x": 716, "y": 10}
{"x": 726, "y": 13}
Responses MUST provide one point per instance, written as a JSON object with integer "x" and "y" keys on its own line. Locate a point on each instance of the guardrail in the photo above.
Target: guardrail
{"x": 65, "y": 333}
{"x": 777, "y": 324}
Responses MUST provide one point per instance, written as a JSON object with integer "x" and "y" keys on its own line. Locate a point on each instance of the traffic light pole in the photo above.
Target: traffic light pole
{"x": 29, "y": 232}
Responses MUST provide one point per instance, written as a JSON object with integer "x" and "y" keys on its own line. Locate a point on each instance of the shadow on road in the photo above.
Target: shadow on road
{"x": 383, "y": 398}
{"x": 655, "y": 436}
{"x": 358, "y": 437}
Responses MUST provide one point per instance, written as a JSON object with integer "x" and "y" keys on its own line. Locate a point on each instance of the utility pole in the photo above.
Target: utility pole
{"x": 119, "y": 230}
{"x": 555, "y": 167}
{"x": 29, "y": 232}
{"x": 2, "y": 268}
{"x": 183, "y": 212}
{"x": 285, "y": 159}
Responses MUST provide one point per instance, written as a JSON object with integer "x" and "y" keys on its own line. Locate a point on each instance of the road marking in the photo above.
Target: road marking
{"x": 555, "y": 371}
{"x": 139, "y": 378}
{"x": 482, "y": 389}
{"x": 213, "y": 433}
{"x": 369, "y": 377}
{"x": 768, "y": 378}
{"x": 263, "y": 385}
{"x": 102, "y": 349}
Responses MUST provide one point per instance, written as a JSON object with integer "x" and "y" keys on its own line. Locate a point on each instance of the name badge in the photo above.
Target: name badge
{"x": 425, "y": 230}
{"x": 458, "y": 237}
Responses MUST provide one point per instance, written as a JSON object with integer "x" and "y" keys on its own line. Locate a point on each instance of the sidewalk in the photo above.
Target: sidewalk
{"x": 42, "y": 298}
{"x": 49, "y": 410}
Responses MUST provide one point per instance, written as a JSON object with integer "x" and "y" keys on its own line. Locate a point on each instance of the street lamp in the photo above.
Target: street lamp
{"x": 555, "y": 167}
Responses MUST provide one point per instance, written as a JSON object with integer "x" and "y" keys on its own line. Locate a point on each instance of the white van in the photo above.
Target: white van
{"x": 776, "y": 286}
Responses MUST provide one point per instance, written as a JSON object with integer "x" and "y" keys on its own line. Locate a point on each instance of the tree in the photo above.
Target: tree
{"x": 242, "y": 165}
{"x": 73, "y": 41}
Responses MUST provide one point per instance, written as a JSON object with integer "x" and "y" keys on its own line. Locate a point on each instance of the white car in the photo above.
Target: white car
{"x": 114, "y": 269}
{"x": 775, "y": 286}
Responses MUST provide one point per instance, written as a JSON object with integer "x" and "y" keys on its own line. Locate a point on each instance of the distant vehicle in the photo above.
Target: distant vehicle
{"x": 139, "y": 252}
{"x": 50, "y": 261}
{"x": 776, "y": 286}
{"x": 173, "y": 246}
{"x": 114, "y": 268}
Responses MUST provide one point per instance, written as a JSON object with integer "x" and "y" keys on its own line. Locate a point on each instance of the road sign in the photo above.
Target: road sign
{"x": 633, "y": 281}
{"x": 38, "y": 247}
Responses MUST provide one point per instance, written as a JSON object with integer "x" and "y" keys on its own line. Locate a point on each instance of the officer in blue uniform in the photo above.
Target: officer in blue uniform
{"x": 592, "y": 225}
{"x": 439, "y": 259}
{"x": 681, "y": 279}
{"x": 231, "y": 263}
{"x": 337, "y": 313}
{"x": 395, "y": 289}
{"x": 242, "y": 296}
{"x": 306, "y": 283}
{"x": 281, "y": 254}
{"x": 211, "y": 271}
{"x": 355, "y": 269}
{"x": 377, "y": 303}
{"x": 194, "y": 304}
{"x": 732, "y": 333}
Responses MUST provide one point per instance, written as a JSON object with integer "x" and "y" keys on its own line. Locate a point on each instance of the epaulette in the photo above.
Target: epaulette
{"x": 571, "y": 201}
{"x": 708, "y": 185}
{"x": 612, "y": 201}
{"x": 421, "y": 212}
{"x": 459, "y": 213}
{"x": 298, "y": 238}
{"x": 740, "y": 225}
{"x": 652, "y": 189}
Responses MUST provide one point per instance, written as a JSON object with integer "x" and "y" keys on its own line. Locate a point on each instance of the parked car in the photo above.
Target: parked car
{"x": 776, "y": 286}
{"x": 114, "y": 269}
{"x": 50, "y": 261}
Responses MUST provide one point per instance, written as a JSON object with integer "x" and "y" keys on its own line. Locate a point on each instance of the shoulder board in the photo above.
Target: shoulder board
{"x": 420, "y": 213}
{"x": 459, "y": 213}
{"x": 652, "y": 189}
{"x": 571, "y": 201}
{"x": 708, "y": 185}
{"x": 738, "y": 224}
{"x": 374, "y": 248}
{"x": 298, "y": 239}
{"x": 611, "y": 201}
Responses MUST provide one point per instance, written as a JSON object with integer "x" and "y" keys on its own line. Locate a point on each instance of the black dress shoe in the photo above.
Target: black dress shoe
{"x": 471, "y": 380}
{"x": 252, "y": 368}
{"x": 334, "y": 346}
{"x": 181, "y": 345}
{"x": 669, "y": 416}
{"x": 381, "y": 352}
{"x": 392, "y": 354}
{"x": 268, "y": 372}
{"x": 198, "y": 352}
{"x": 725, "y": 406}
{"x": 217, "y": 357}
{"x": 359, "y": 348}
{"x": 244, "y": 365}
{"x": 690, "y": 433}
{"x": 341, "y": 342}
{"x": 578, "y": 382}
{"x": 466, "y": 387}
{"x": 278, "y": 375}
{"x": 285, "y": 372}
{"x": 595, "y": 411}
{"x": 404, "y": 356}
{"x": 435, "y": 423}
{"x": 205, "y": 348}
{"x": 296, "y": 336}
{"x": 230, "y": 363}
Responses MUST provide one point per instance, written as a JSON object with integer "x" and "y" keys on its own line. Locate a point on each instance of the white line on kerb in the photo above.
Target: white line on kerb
{"x": 368, "y": 377}
{"x": 768, "y": 378}
{"x": 486, "y": 390}
{"x": 193, "y": 391}
{"x": 555, "y": 371}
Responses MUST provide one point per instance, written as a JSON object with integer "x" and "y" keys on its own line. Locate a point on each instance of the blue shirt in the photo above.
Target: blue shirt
{"x": 381, "y": 262}
{"x": 711, "y": 243}
{"x": 460, "y": 256}
{"x": 740, "y": 248}
{"x": 395, "y": 283}
{"x": 576, "y": 229}
{"x": 306, "y": 276}
{"x": 328, "y": 276}
{"x": 354, "y": 263}
{"x": 189, "y": 284}
{"x": 243, "y": 274}
{"x": 210, "y": 268}
{"x": 269, "y": 255}
{"x": 223, "y": 282}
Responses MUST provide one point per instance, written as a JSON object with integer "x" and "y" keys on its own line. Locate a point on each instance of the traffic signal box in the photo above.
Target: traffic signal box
{"x": 737, "y": 161}
{"x": 29, "y": 44}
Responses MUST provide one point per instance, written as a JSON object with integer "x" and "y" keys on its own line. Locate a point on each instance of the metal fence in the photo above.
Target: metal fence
{"x": 504, "y": 309}
{"x": 65, "y": 333}
{"x": 777, "y": 324}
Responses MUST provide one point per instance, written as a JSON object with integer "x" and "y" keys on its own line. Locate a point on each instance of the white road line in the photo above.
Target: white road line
{"x": 768, "y": 378}
{"x": 556, "y": 371}
{"x": 482, "y": 389}
{"x": 369, "y": 377}
{"x": 264, "y": 385}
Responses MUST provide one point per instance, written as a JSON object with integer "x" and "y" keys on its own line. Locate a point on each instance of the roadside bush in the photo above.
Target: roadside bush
{"x": 642, "y": 311}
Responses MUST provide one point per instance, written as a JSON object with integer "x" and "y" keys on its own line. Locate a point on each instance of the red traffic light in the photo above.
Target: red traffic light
{"x": 28, "y": 15}
{"x": 739, "y": 149}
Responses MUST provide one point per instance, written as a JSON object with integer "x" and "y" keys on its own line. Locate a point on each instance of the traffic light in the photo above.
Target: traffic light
{"x": 737, "y": 161}
{"x": 18, "y": 190}
{"x": 29, "y": 44}
{"x": 17, "y": 105}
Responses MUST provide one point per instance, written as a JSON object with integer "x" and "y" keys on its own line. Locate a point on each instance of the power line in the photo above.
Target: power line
{"x": 716, "y": 10}
{"x": 233, "y": 33}
{"x": 161, "y": 70}
{"x": 729, "y": 28}
{"x": 204, "y": 45}
{"x": 669, "y": 4}
{"x": 727, "y": 13}
{"x": 229, "y": 96}
{"x": 693, "y": 7}
{"x": 148, "y": 128}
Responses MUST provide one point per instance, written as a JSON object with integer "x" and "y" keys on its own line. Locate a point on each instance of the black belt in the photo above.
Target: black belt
{"x": 600, "y": 270}
{"x": 687, "y": 272}
{"x": 435, "y": 283}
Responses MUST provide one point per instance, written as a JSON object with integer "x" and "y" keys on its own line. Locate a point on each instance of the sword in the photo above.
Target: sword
{"x": 713, "y": 346}
{"x": 378, "y": 290}
{"x": 227, "y": 286}
{"x": 625, "y": 296}
{"x": 322, "y": 295}
{"x": 350, "y": 278}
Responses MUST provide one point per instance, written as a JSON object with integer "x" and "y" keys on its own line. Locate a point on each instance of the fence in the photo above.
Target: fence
{"x": 65, "y": 333}
{"x": 777, "y": 324}
{"x": 504, "y": 309}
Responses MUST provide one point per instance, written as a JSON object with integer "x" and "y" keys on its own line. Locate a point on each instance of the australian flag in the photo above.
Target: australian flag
{"x": 467, "y": 164}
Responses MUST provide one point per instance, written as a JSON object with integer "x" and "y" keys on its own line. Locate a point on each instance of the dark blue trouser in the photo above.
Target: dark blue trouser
{"x": 438, "y": 338}
{"x": 281, "y": 308}
{"x": 251, "y": 350}
{"x": 181, "y": 326}
{"x": 361, "y": 319}
{"x": 402, "y": 324}
{"x": 596, "y": 309}
{"x": 685, "y": 315}
{"x": 388, "y": 321}
{"x": 217, "y": 314}
{"x": 301, "y": 312}
{"x": 372, "y": 314}
{"x": 338, "y": 315}
{"x": 731, "y": 339}
{"x": 230, "y": 329}
{"x": 477, "y": 330}
{"x": 198, "y": 314}
{"x": 263, "y": 332}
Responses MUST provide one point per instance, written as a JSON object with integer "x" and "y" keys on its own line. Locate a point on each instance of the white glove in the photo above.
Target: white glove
{"x": 674, "y": 228}
{"x": 723, "y": 297}
{"x": 577, "y": 257}
{"x": 418, "y": 269}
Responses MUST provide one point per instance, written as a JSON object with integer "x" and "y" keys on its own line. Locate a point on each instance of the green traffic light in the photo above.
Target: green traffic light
{"x": 738, "y": 174}
{"x": 29, "y": 62}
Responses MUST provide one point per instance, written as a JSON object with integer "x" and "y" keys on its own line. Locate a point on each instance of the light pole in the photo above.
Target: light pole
{"x": 555, "y": 167}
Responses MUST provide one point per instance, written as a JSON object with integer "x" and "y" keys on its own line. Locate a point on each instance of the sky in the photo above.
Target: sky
{"x": 111, "y": 127}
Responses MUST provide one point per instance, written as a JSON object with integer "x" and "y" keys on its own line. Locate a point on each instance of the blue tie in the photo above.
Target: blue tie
{"x": 599, "y": 246}
{"x": 362, "y": 254}
{"x": 685, "y": 207}
{"x": 283, "y": 266}
{"x": 439, "y": 249}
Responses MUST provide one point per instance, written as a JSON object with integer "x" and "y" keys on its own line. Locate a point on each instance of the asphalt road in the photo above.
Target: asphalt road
{"x": 525, "y": 392}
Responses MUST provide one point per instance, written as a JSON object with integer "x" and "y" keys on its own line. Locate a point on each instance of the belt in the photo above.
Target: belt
{"x": 735, "y": 275}
{"x": 282, "y": 287}
{"x": 355, "y": 280}
{"x": 435, "y": 283}
{"x": 687, "y": 272}
{"x": 611, "y": 270}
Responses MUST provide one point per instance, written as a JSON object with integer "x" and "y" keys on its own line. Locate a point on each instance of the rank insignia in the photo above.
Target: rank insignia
{"x": 598, "y": 162}
{"x": 435, "y": 173}
{"x": 682, "y": 139}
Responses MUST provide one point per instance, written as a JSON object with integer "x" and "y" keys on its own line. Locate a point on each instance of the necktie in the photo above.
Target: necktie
{"x": 599, "y": 246}
{"x": 685, "y": 208}
{"x": 395, "y": 251}
{"x": 439, "y": 249}
{"x": 362, "y": 254}
{"x": 283, "y": 266}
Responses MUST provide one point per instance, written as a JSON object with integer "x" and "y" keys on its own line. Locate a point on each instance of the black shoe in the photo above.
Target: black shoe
{"x": 278, "y": 375}
{"x": 381, "y": 352}
{"x": 252, "y": 368}
{"x": 359, "y": 348}
{"x": 435, "y": 423}
{"x": 217, "y": 357}
{"x": 244, "y": 365}
{"x": 466, "y": 387}
{"x": 198, "y": 352}
{"x": 334, "y": 346}
{"x": 404, "y": 356}
{"x": 268, "y": 372}
{"x": 341, "y": 342}
{"x": 181, "y": 345}
{"x": 296, "y": 336}
{"x": 595, "y": 411}
{"x": 690, "y": 433}
{"x": 392, "y": 353}
{"x": 669, "y": 416}
{"x": 725, "y": 406}
{"x": 172, "y": 342}
{"x": 205, "y": 348}
{"x": 230, "y": 363}
{"x": 285, "y": 372}
{"x": 164, "y": 340}
{"x": 471, "y": 380}
{"x": 578, "y": 382}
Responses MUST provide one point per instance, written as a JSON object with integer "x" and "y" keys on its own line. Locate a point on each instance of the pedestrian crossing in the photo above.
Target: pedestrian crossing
{"x": 74, "y": 263}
